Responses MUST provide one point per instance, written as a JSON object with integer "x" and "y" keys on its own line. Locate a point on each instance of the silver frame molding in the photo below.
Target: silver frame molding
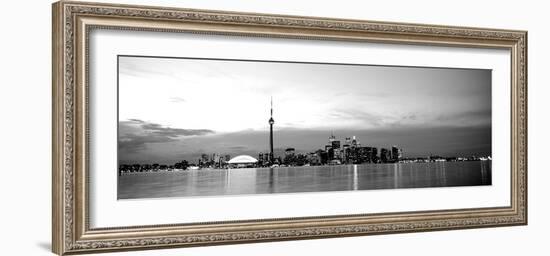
{"x": 72, "y": 22}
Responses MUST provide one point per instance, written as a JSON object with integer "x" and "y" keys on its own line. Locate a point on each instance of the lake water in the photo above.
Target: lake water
{"x": 303, "y": 179}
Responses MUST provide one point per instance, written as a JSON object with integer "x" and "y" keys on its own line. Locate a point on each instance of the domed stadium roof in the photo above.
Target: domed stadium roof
{"x": 243, "y": 159}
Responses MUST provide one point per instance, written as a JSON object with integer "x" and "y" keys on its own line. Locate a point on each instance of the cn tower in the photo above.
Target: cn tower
{"x": 271, "y": 122}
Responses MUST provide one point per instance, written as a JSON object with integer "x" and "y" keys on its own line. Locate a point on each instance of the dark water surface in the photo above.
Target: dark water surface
{"x": 303, "y": 179}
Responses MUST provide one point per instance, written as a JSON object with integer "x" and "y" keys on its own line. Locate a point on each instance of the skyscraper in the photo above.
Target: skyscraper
{"x": 374, "y": 155}
{"x": 346, "y": 150}
{"x": 335, "y": 146}
{"x": 271, "y": 122}
{"x": 261, "y": 159}
{"x": 333, "y": 142}
{"x": 385, "y": 155}
{"x": 395, "y": 154}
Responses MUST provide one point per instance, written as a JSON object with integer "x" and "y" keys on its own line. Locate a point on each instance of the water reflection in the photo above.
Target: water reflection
{"x": 304, "y": 179}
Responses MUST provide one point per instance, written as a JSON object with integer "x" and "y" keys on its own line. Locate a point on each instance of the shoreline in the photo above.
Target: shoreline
{"x": 174, "y": 171}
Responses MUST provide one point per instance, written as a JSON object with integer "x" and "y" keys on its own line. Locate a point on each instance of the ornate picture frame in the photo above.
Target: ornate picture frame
{"x": 72, "y": 23}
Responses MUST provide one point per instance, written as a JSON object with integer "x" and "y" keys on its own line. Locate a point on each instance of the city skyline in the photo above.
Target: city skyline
{"x": 454, "y": 120}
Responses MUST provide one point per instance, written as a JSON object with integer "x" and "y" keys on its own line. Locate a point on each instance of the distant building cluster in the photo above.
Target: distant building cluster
{"x": 444, "y": 159}
{"x": 349, "y": 153}
{"x": 334, "y": 153}
{"x": 213, "y": 161}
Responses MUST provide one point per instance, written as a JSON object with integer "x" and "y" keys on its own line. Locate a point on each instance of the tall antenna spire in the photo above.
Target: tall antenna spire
{"x": 271, "y": 122}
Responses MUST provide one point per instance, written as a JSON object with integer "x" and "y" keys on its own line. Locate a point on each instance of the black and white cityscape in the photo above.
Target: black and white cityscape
{"x": 211, "y": 127}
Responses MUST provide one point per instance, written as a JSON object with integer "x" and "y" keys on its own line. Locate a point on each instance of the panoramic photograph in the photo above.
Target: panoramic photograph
{"x": 219, "y": 127}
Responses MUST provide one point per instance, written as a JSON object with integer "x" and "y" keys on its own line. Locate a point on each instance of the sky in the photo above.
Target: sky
{"x": 173, "y": 109}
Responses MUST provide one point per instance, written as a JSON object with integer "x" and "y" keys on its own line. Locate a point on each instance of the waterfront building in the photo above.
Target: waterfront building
{"x": 289, "y": 151}
{"x": 362, "y": 155}
{"x": 333, "y": 147}
{"x": 323, "y": 156}
{"x": 385, "y": 156}
{"x": 335, "y": 144}
{"x": 396, "y": 154}
{"x": 329, "y": 151}
{"x": 136, "y": 168}
{"x": 181, "y": 165}
{"x": 261, "y": 159}
{"x": 346, "y": 153}
{"x": 352, "y": 152}
{"x": 354, "y": 142}
{"x": 204, "y": 160}
{"x": 374, "y": 155}
{"x": 400, "y": 154}
{"x": 146, "y": 167}
{"x": 346, "y": 150}
{"x": 342, "y": 156}
{"x": 278, "y": 160}
{"x": 337, "y": 154}
{"x": 290, "y": 158}
{"x": 367, "y": 155}
{"x": 242, "y": 161}
{"x": 217, "y": 160}
{"x": 313, "y": 158}
{"x": 330, "y": 154}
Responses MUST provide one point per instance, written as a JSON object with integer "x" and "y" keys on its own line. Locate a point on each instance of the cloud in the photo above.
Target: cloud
{"x": 157, "y": 129}
{"x": 358, "y": 115}
{"x": 468, "y": 118}
{"x": 238, "y": 147}
{"x": 177, "y": 99}
{"x": 134, "y": 142}
{"x": 135, "y": 134}
{"x": 134, "y": 121}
